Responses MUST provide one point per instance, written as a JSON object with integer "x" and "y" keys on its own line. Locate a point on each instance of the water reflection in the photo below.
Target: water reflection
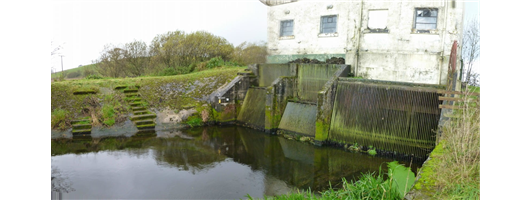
{"x": 228, "y": 162}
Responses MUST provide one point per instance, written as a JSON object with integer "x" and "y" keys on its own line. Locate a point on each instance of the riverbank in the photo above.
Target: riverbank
{"x": 453, "y": 170}
{"x": 108, "y": 106}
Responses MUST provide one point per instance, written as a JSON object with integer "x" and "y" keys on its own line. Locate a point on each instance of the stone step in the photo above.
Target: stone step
{"x": 119, "y": 87}
{"x": 132, "y": 95}
{"x": 146, "y": 126}
{"x": 144, "y": 122}
{"x": 130, "y": 91}
{"x": 81, "y": 92}
{"x": 144, "y": 116}
{"x": 135, "y": 104}
{"x": 138, "y": 108}
{"x": 87, "y": 121}
{"x": 82, "y": 131}
{"x": 140, "y": 112}
{"x": 81, "y": 126}
{"x": 134, "y": 99}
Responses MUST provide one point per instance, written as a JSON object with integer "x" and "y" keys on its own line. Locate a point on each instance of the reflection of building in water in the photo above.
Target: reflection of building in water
{"x": 299, "y": 164}
{"x": 283, "y": 162}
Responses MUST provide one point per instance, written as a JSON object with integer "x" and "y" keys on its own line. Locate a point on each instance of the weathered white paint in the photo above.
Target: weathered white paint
{"x": 398, "y": 53}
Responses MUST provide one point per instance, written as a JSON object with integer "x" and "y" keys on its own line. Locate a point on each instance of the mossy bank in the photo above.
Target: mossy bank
{"x": 158, "y": 94}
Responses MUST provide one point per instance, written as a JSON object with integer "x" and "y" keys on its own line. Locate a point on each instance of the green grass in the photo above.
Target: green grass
{"x": 108, "y": 114}
{"x": 194, "y": 121}
{"x": 369, "y": 186}
{"x": 453, "y": 171}
{"x": 59, "y": 119}
{"x": 153, "y": 90}
{"x": 77, "y": 69}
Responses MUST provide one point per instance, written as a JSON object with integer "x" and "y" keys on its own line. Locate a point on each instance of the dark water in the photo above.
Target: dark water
{"x": 201, "y": 163}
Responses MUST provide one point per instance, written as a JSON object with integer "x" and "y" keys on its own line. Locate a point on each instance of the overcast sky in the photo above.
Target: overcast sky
{"x": 84, "y": 27}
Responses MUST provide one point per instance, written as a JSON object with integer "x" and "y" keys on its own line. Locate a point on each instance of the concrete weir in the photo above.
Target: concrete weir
{"x": 299, "y": 118}
{"x": 320, "y": 101}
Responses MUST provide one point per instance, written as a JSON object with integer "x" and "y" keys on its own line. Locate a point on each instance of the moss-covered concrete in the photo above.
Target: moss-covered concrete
{"x": 287, "y": 58}
{"x": 424, "y": 187}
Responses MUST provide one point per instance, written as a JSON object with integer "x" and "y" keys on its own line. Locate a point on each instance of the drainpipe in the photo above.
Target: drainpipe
{"x": 360, "y": 18}
{"x": 443, "y": 42}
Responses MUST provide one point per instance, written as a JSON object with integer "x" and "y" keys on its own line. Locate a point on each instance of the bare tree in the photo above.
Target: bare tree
{"x": 54, "y": 51}
{"x": 249, "y": 53}
{"x": 55, "y": 48}
{"x": 112, "y": 62}
{"x": 136, "y": 56}
{"x": 164, "y": 48}
{"x": 471, "y": 51}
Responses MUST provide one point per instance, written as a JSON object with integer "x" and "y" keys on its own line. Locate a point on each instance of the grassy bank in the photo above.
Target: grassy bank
{"x": 453, "y": 171}
{"x": 109, "y": 105}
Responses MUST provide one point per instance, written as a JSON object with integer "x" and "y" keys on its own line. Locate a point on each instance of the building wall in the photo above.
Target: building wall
{"x": 397, "y": 54}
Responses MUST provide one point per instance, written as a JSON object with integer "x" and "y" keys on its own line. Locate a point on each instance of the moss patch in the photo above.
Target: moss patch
{"x": 426, "y": 184}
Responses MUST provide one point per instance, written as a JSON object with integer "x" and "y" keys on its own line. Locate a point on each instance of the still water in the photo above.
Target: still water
{"x": 200, "y": 163}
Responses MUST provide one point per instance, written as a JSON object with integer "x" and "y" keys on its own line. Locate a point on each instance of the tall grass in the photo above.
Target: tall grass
{"x": 458, "y": 174}
{"x": 59, "y": 119}
{"x": 369, "y": 186}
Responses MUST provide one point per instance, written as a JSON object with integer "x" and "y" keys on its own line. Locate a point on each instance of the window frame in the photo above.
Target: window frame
{"x": 322, "y": 23}
{"x": 377, "y": 30}
{"x": 281, "y": 29}
{"x": 415, "y": 22}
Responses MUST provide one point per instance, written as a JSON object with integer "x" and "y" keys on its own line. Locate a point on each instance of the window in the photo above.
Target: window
{"x": 286, "y": 28}
{"x": 377, "y": 19}
{"x": 328, "y": 24}
{"x": 426, "y": 18}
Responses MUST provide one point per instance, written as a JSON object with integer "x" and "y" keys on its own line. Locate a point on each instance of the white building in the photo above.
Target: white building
{"x": 407, "y": 40}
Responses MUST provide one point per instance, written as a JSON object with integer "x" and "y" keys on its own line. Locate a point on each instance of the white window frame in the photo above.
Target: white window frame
{"x": 415, "y": 23}
{"x": 286, "y": 37}
{"x": 377, "y": 29}
{"x": 332, "y": 34}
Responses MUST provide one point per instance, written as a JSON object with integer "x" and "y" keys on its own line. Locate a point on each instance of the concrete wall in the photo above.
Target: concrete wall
{"x": 397, "y": 53}
{"x": 227, "y": 99}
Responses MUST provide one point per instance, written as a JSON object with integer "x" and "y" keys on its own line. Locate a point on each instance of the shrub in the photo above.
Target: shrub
{"x": 108, "y": 114}
{"x": 59, "y": 119}
{"x": 215, "y": 62}
{"x": 194, "y": 121}
{"x": 73, "y": 74}
{"x": 93, "y": 76}
{"x": 88, "y": 72}
{"x": 168, "y": 72}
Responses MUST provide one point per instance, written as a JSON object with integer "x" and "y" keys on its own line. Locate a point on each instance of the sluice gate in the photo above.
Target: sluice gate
{"x": 299, "y": 118}
{"x": 391, "y": 118}
{"x": 320, "y": 101}
{"x": 252, "y": 112}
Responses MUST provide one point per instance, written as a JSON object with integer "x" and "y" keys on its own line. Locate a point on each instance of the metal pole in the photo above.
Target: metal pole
{"x": 62, "y": 71}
